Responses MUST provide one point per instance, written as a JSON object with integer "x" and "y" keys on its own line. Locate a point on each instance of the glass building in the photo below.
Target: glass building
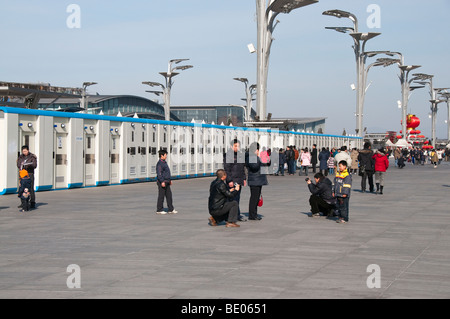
{"x": 127, "y": 105}
{"x": 216, "y": 114}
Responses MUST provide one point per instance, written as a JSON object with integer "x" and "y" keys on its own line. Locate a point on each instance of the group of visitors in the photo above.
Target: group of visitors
{"x": 417, "y": 156}
{"x": 251, "y": 167}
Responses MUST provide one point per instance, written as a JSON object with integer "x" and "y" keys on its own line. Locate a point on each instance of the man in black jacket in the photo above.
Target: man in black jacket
{"x": 321, "y": 198}
{"x": 234, "y": 166}
{"x": 366, "y": 167}
{"x": 219, "y": 206}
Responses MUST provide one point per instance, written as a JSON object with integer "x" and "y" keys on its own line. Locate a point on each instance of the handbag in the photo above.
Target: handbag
{"x": 261, "y": 201}
{"x": 362, "y": 170}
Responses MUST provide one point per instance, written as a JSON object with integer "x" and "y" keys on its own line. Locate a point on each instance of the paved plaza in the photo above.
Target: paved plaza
{"x": 125, "y": 250}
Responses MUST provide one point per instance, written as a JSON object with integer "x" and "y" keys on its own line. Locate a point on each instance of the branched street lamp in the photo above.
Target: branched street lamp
{"x": 266, "y": 14}
{"x": 405, "y": 83}
{"x": 427, "y": 79}
{"x": 360, "y": 41}
{"x": 166, "y": 89}
{"x": 84, "y": 97}
{"x": 249, "y": 93}
{"x": 446, "y": 97}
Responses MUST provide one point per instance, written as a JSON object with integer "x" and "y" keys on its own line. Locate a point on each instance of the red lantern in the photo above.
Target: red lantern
{"x": 412, "y": 136}
{"x": 418, "y": 132}
{"x": 399, "y": 136}
{"x": 426, "y": 142}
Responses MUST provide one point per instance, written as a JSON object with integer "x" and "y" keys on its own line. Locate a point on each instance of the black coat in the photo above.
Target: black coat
{"x": 219, "y": 193}
{"x": 323, "y": 159}
{"x": 282, "y": 158}
{"x": 323, "y": 189}
{"x": 365, "y": 159}
{"x": 234, "y": 166}
{"x": 314, "y": 156}
{"x": 255, "y": 177}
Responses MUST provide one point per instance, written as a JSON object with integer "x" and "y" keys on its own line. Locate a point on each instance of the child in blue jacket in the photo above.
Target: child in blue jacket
{"x": 342, "y": 189}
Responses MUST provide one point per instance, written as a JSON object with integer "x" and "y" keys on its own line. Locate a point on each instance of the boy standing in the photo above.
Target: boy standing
{"x": 25, "y": 184}
{"x": 342, "y": 189}
{"x": 164, "y": 182}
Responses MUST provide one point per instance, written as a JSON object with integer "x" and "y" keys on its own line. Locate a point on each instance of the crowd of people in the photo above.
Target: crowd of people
{"x": 250, "y": 168}
{"x": 417, "y": 156}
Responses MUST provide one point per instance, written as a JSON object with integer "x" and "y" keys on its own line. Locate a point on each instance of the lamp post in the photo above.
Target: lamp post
{"x": 405, "y": 83}
{"x": 446, "y": 97}
{"x": 360, "y": 41}
{"x": 166, "y": 89}
{"x": 266, "y": 14}
{"x": 84, "y": 98}
{"x": 249, "y": 93}
{"x": 427, "y": 79}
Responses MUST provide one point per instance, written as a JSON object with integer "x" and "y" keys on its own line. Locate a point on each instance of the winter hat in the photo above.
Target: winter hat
{"x": 23, "y": 173}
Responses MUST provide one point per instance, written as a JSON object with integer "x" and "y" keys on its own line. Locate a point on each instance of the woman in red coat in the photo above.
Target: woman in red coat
{"x": 381, "y": 166}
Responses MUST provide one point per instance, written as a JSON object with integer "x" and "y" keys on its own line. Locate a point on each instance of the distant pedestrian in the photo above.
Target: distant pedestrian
{"x": 355, "y": 164}
{"x": 434, "y": 158}
{"x": 281, "y": 162}
{"x": 366, "y": 167}
{"x": 381, "y": 166}
{"x": 305, "y": 159}
{"x": 28, "y": 161}
{"x": 343, "y": 156}
{"x": 330, "y": 163}
{"x": 324, "y": 155}
{"x": 164, "y": 181}
{"x": 314, "y": 158}
{"x": 290, "y": 158}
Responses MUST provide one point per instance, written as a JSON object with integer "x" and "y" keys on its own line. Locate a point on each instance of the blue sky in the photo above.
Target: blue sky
{"x": 122, "y": 43}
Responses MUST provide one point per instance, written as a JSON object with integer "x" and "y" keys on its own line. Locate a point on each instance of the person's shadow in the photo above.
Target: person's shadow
{"x": 4, "y": 207}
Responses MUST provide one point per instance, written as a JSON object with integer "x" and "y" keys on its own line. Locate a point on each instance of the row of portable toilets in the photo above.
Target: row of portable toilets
{"x": 81, "y": 150}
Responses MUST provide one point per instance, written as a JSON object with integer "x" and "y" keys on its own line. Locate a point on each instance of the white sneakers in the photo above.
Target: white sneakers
{"x": 164, "y": 212}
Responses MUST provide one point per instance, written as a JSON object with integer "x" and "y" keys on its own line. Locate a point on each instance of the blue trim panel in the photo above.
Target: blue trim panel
{"x": 75, "y": 185}
{"x": 8, "y": 191}
{"x": 42, "y": 188}
{"x": 15, "y": 110}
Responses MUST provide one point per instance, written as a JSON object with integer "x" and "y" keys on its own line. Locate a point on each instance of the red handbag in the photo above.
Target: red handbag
{"x": 261, "y": 202}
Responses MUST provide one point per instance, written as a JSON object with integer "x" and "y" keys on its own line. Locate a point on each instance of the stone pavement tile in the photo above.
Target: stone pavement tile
{"x": 125, "y": 250}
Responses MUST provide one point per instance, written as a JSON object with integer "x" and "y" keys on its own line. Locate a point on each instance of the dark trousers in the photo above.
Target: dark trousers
{"x": 164, "y": 192}
{"x": 291, "y": 166}
{"x": 281, "y": 169}
{"x": 25, "y": 203}
{"x": 319, "y": 205}
{"x": 342, "y": 204}
{"x": 228, "y": 212}
{"x": 369, "y": 176}
{"x": 255, "y": 194}
{"x": 32, "y": 194}
{"x": 237, "y": 198}
{"x": 314, "y": 167}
